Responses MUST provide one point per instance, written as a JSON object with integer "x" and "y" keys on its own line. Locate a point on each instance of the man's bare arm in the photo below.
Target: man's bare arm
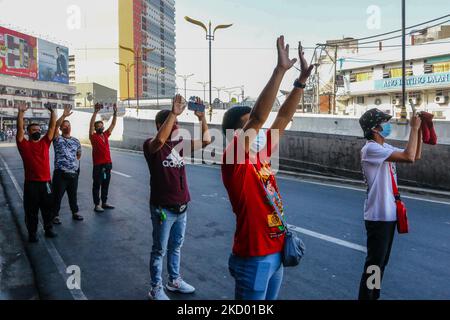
{"x": 114, "y": 121}
{"x": 22, "y": 108}
{"x": 409, "y": 155}
{"x": 67, "y": 113}
{"x": 93, "y": 118}
{"x": 164, "y": 132}
{"x": 52, "y": 122}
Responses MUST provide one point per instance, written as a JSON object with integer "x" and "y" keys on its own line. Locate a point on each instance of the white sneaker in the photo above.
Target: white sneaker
{"x": 99, "y": 209}
{"x": 157, "y": 293}
{"x": 180, "y": 286}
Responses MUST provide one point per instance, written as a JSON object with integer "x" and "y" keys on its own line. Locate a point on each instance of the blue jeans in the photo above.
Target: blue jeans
{"x": 257, "y": 278}
{"x": 168, "y": 237}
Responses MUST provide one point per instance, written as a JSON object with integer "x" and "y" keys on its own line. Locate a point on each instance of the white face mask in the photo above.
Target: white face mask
{"x": 260, "y": 141}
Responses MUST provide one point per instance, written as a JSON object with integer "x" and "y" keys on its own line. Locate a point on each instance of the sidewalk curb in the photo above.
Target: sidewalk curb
{"x": 48, "y": 281}
{"x": 16, "y": 272}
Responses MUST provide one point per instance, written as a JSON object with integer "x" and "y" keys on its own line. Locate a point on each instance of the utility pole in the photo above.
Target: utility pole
{"x": 403, "y": 114}
{"x": 334, "y": 80}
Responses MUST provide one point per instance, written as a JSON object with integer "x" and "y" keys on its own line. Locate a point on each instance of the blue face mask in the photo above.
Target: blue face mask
{"x": 387, "y": 129}
{"x": 260, "y": 141}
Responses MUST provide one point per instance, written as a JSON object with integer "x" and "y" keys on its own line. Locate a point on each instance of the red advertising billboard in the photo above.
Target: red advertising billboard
{"x": 18, "y": 54}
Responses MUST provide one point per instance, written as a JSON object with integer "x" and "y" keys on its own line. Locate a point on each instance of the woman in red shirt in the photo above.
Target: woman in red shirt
{"x": 255, "y": 262}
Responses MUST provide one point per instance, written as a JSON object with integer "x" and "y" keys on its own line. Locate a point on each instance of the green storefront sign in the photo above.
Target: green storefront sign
{"x": 414, "y": 81}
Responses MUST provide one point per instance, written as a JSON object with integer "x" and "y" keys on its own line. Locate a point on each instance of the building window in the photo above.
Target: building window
{"x": 360, "y": 100}
{"x": 397, "y": 73}
{"x": 361, "y": 76}
{"x": 441, "y": 67}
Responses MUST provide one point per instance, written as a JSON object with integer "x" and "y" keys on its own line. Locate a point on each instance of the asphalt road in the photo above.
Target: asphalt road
{"x": 112, "y": 249}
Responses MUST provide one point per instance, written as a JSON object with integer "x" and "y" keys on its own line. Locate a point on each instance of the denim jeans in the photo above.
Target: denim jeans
{"x": 168, "y": 237}
{"x": 257, "y": 278}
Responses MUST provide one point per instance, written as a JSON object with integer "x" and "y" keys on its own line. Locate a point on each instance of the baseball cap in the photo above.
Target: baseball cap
{"x": 371, "y": 119}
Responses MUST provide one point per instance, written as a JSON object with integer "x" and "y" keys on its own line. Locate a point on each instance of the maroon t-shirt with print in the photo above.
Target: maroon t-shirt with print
{"x": 168, "y": 182}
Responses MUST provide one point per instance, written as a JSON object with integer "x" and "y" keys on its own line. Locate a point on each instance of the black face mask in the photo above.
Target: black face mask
{"x": 99, "y": 131}
{"x": 35, "y": 136}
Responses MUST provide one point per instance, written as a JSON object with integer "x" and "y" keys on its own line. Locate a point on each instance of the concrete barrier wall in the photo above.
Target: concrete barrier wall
{"x": 325, "y": 153}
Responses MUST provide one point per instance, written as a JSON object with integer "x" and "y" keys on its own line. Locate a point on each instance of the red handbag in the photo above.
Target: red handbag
{"x": 402, "y": 216}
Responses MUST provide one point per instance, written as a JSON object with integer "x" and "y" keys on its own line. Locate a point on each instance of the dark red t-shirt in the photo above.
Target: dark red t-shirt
{"x": 100, "y": 148}
{"x": 168, "y": 181}
{"x": 36, "y": 160}
{"x": 258, "y": 230}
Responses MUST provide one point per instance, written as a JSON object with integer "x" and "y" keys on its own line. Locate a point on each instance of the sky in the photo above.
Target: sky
{"x": 243, "y": 54}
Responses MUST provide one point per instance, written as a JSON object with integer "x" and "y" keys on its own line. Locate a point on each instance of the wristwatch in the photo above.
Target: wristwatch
{"x": 299, "y": 85}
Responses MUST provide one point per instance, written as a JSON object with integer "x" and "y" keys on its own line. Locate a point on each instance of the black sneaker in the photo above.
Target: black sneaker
{"x": 50, "y": 234}
{"x": 32, "y": 238}
{"x": 77, "y": 217}
{"x": 107, "y": 206}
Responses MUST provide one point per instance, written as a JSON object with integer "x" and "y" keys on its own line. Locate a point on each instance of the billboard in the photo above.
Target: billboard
{"x": 53, "y": 62}
{"x": 18, "y": 54}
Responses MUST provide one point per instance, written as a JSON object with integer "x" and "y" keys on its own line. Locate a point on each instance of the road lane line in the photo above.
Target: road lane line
{"x": 294, "y": 179}
{"x": 324, "y": 237}
{"x": 362, "y": 190}
{"x": 61, "y": 266}
{"x": 121, "y": 174}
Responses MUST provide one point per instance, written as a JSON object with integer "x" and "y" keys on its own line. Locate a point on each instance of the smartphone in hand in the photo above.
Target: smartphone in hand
{"x": 194, "y": 106}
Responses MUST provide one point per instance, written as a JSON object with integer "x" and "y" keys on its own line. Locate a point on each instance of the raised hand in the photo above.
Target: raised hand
{"x": 22, "y": 106}
{"x": 49, "y": 107}
{"x": 179, "y": 104}
{"x": 67, "y": 111}
{"x": 200, "y": 115}
{"x": 284, "y": 62}
{"x": 97, "y": 107}
{"x": 305, "y": 69}
{"x": 115, "y": 109}
{"x": 416, "y": 121}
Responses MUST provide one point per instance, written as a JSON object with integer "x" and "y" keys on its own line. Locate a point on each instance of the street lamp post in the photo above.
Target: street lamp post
{"x": 160, "y": 70}
{"x": 185, "y": 79}
{"x": 230, "y": 94}
{"x": 204, "y": 84}
{"x": 210, "y": 36}
{"x": 137, "y": 57}
{"x": 127, "y": 70}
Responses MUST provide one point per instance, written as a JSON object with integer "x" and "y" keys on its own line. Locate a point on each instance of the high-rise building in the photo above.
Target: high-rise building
{"x": 147, "y": 27}
{"x": 140, "y": 25}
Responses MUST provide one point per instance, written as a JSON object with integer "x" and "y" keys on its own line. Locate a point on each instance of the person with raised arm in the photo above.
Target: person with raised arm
{"x": 169, "y": 198}
{"x": 256, "y": 260}
{"x": 67, "y": 166}
{"x": 37, "y": 192}
{"x": 101, "y": 156}
{"x": 378, "y": 162}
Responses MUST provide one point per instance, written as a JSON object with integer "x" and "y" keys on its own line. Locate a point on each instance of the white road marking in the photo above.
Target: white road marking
{"x": 121, "y": 174}
{"x": 324, "y": 237}
{"x": 61, "y": 266}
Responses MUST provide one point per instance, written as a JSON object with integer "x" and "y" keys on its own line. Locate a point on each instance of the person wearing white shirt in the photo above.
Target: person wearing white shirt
{"x": 378, "y": 160}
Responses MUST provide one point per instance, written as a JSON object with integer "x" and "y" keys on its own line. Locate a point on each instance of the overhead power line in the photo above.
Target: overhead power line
{"x": 391, "y": 32}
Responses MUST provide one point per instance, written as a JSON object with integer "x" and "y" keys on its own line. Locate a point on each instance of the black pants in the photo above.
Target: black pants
{"x": 380, "y": 236}
{"x": 101, "y": 176}
{"x": 38, "y": 196}
{"x": 62, "y": 183}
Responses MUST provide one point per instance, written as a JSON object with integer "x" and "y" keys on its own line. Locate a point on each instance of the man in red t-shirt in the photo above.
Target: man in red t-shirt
{"x": 37, "y": 193}
{"x": 101, "y": 156}
{"x": 256, "y": 261}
